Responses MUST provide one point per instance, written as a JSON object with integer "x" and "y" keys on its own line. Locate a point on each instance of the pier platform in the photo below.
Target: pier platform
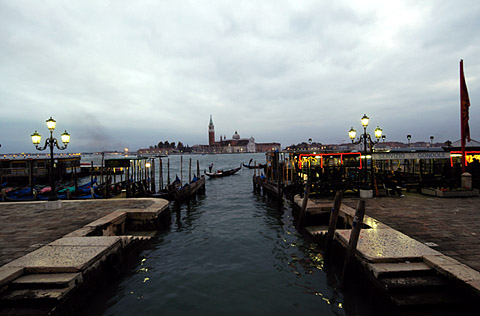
{"x": 416, "y": 249}
{"x": 51, "y": 259}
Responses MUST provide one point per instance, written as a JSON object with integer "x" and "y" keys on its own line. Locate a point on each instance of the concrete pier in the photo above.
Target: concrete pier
{"x": 51, "y": 259}
{"x": 417, "y": 250}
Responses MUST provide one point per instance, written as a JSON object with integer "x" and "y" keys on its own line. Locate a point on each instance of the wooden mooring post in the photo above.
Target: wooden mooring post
{"x": 168, "y": 171}
{"x": 127, "y": 181}
{"x": 279, "y": 176}
{"x": 301, "y": 217}
{"x": 190, "y": 171}
{"x": 160, "y": 173}
{"x": 152, "y": 176}
{"x": 254, "y": 176}
{"x": 352, "y": 242}
{"x": 332, "y": 224}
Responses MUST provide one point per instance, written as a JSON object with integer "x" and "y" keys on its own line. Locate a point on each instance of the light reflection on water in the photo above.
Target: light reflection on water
{"x": 231, "y": 252}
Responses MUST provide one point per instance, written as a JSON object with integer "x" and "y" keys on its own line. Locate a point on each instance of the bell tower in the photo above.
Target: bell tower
{"x": 211, "y": 133}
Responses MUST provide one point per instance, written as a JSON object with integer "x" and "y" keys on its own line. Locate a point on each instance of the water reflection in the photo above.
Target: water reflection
{"x": 231, "y": 252}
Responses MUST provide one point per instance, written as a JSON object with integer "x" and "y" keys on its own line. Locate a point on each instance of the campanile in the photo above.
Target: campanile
{"x": 211, "y": 132}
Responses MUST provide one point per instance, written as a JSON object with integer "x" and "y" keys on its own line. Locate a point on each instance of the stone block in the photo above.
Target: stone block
{"x": 49, "y": 280}
{"x": 111, "y": 225}
{"x": 159, "y": 204}
{"x": 82, "y": 232}
{"x": 448, "y": 193}
{"x": 65, "y": 258}
{"x": 466, "y": 180}
{"x": 429, "y": 191}
{"x": 379, "y": 269}
{"x": 466, "y": 193}
{"x": 317, "y": 230}
{"x": 38, "y": 294}
{"x": 9, "y": 274}
{"x": 366, "y": 194}
{"x": 93, "y": 241}
{"x": 386, "y": 245}
{"x": 452, "y": 268}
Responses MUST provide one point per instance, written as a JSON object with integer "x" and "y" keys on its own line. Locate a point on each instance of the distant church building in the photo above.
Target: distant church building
{"x": 233, "y": 145}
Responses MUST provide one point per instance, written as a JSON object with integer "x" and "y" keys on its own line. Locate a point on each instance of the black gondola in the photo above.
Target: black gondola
{"x": 260, "y": 166}
{"x": 222, "y": 173}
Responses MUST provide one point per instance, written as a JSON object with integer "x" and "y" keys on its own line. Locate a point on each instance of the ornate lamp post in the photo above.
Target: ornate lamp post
{"x": 51, "y": 142}
{"x": 365, "y": 138}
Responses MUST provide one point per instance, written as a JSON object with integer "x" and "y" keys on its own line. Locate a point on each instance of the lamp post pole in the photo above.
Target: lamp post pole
{"x": 51, "y": 142}
{"x": 365, "y": 172}
{"x": 53, "y": 193}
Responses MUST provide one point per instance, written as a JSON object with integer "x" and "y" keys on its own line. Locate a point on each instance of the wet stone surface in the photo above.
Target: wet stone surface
{"x": 387, "y": 245}
{"x": 30, "y": 226}
{"x": 59, "y": 259}
{"x": 451, "y": 223}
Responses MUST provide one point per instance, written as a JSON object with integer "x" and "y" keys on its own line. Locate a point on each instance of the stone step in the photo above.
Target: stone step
{"x": 411, "y": 282}
{"x": 317, "y": 230}
{"x": 399, "y": 269}
{"x": 130, "y": 240}
{"x": 47, "y": 281}
{"x": 142, "y": 233}
{"x": 431, "y": 298}
{"x": 32, "y": 296}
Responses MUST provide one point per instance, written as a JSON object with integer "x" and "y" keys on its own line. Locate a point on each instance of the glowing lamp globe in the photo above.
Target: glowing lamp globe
{"x": 36, "y": 138}
{"x": 51, "y": 123}
{"x": 365, "y": 120}
{"x": 352, "y": 133}
{"x": 65, "y": 137}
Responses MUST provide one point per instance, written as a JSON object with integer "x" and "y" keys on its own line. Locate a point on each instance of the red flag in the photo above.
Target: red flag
{"x": 464, "y": 105}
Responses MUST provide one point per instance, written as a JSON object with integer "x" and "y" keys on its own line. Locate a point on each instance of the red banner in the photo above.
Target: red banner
{"x": 464, "y": 105}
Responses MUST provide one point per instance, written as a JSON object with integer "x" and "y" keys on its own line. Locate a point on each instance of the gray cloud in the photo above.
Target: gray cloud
{"x": 132, "y": 73}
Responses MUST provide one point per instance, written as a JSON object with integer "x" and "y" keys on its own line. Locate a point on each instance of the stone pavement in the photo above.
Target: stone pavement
{"x": 451, "y": 224}
{"x": 29, "y": 226}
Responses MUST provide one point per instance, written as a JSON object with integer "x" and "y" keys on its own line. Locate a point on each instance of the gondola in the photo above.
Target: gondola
{"x": 222, "y": 173}
{"x": 260, "y": 166}
{"x": 176, "y": 192}
{"x": 36, "y": 194}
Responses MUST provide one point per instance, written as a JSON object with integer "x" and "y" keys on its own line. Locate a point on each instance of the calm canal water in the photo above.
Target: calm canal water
{"x": 230, "y": 252}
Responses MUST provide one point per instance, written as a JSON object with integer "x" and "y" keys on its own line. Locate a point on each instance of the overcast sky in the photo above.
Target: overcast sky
{"x": 122, "y": 73}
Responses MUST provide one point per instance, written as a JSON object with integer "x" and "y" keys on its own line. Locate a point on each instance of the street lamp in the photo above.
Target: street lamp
{"x": 365, "y": 138}
{"x": 51, "y": 142}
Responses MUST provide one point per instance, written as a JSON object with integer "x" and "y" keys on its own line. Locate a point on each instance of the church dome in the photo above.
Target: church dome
{"x": 236, "y": 136}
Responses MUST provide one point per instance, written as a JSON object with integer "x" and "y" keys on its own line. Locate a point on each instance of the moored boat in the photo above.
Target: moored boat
{"x": 222, "y": 173}
{"x": 259, "y": 166}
